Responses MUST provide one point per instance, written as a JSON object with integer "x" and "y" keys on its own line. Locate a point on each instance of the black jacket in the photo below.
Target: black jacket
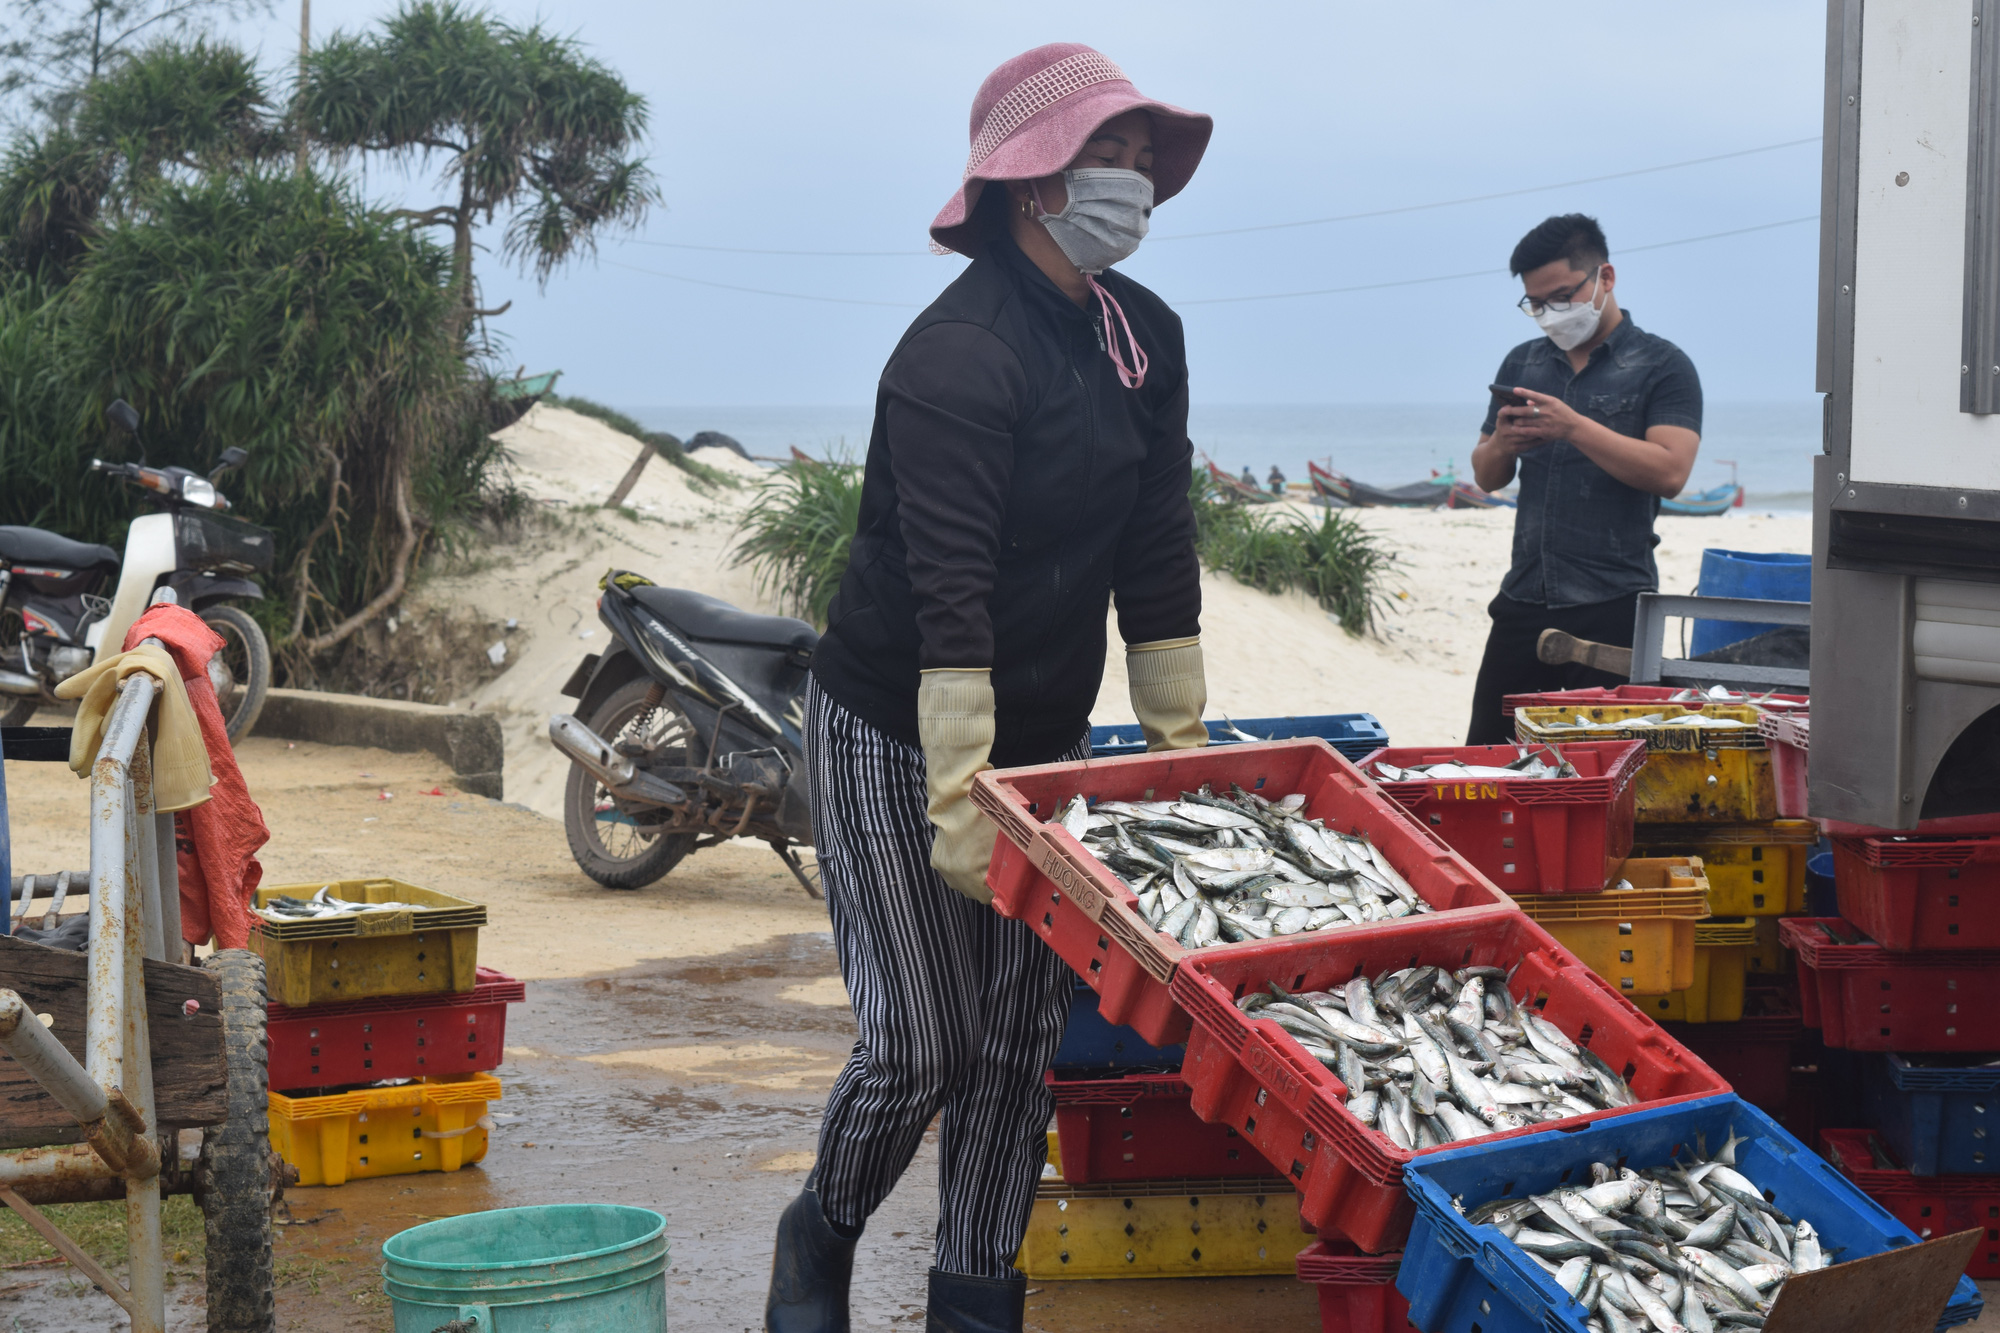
{"x": 1013, "y": 486}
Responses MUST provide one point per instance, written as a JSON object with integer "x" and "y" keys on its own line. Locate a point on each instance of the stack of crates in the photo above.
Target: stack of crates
{"x": 1563, "y": 849}
{"x": 1707, "y": 795}
{"x": 1138, "y": 1185}
{"x": 1904, "y": 982}
{"x": 382, "y": 1028}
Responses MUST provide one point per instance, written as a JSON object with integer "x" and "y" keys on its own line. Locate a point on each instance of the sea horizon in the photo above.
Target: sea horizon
{"x": 1770, "y": 442}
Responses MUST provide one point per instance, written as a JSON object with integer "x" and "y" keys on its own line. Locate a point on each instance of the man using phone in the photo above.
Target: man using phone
{"x": 1600, "y": 419}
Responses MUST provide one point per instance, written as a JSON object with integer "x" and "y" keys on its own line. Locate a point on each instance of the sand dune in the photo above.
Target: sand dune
{"x": 1265, "y": 655}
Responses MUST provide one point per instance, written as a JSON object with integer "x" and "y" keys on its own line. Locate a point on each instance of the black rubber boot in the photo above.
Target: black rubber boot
{"x": 811, "y": 1266}
{"x": 961, "y": 1304}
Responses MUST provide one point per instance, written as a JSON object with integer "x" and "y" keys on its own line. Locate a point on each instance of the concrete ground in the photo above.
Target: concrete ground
{"x": 673, "y": 1052}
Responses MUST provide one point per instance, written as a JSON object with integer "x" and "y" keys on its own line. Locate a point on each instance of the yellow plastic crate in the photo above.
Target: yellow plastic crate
{"x": 1721, "y": 963}
{"x": 1639, "y": 939}
{"x": 1162, "y": 1228}
{"x": 1753, "y": 869}
{"x": 435, "y": 1125}
{"x": 1767, "y": 955}
{"x": 426, "y": 951}
{"x": 1693, "y": 775}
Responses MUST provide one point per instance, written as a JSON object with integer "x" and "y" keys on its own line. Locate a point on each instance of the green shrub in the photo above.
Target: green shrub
{"x": 1335, "y": 561}
{"x": 797, "y": 533}
{"x": 798, "y": 530}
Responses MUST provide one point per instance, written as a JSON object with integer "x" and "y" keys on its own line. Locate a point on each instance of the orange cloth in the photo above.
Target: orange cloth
{"x": 216, "y": 841}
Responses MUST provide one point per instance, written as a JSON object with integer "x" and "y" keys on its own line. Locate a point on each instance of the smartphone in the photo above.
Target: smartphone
{"x": 1507, "y": 395}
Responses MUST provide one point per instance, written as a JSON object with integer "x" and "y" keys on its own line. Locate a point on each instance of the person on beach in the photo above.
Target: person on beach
{"x": 1603, "y": 421}
{"x": 1248, "y": 478}
{"x": 1276, "y": 480}
{"x": 1029, "y": 463}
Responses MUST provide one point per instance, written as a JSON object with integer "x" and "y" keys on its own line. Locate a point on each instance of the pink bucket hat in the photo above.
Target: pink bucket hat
{"x": 1034, "y": 114}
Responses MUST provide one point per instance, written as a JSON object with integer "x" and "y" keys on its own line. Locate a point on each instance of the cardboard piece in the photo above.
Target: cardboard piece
{"x": 1897, "y": 1291}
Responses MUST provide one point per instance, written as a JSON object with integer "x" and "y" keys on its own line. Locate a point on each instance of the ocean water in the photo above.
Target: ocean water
{"x": 1387, "y": 444}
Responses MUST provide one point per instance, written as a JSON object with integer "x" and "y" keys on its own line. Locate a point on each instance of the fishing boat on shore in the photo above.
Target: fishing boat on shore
{"x": 1417, "y": 495}
{"x": 1464, "y": 495}
{"x": 1237, "y": 488}
{"x": 1716, "y": 500}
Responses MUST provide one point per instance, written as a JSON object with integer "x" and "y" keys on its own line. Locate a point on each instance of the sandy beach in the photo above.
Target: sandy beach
{"x": 1266, "y": 655}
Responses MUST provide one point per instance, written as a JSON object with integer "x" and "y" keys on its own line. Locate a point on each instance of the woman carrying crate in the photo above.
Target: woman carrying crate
{"x": 1029, "y": 463}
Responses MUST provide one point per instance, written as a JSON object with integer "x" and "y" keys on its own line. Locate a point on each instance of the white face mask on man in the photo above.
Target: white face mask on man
{"x": 1574, "y": 326}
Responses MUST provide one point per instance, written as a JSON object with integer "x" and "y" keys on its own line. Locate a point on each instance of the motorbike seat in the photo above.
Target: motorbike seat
{"x": 32, "y": 546}
{"x": 712, "y": 620}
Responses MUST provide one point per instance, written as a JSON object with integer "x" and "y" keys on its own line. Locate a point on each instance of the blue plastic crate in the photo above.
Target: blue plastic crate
{"x": 1091, "y": 1044}
{"x": 1460, "y": 1277}
{"x": 1938, "y": 1121}
{"x": 1353, "y": 734}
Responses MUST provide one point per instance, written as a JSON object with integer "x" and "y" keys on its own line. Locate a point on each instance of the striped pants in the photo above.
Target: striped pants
{"x": 960, "y": 1010}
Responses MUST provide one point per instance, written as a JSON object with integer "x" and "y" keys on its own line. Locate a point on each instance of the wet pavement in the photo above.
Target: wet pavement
{"x": 691, "y": 1087}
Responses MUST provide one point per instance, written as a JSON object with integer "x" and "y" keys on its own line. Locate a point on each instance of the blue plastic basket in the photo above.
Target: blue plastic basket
{"x": 1460, "y": 1277}
{"x": 1353, "y": 734}
{"x": 1939, "y": 1122}
{"x": 1091, "y": 1044}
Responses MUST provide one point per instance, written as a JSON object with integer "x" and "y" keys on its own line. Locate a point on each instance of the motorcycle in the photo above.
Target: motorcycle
{"x": 56, "y": 620}
{"x": 687, "y": 733}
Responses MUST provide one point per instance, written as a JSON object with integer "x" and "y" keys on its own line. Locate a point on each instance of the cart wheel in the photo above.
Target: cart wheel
{"x": 233, "y": 1179}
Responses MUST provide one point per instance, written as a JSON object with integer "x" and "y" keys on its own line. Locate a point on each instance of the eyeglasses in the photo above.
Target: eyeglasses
{"x": 1556, "y": 302}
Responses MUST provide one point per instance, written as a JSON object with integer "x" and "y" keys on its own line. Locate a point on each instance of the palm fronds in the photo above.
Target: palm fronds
{"x": 797, "y": 532}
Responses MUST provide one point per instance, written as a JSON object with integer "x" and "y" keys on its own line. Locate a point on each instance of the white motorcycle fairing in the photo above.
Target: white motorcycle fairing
{"x": 149, "y": 557}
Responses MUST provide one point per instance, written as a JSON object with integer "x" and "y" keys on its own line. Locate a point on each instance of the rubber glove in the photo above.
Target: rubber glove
{"x": 1169, "y": 692}
{"x": 955, "y": 723}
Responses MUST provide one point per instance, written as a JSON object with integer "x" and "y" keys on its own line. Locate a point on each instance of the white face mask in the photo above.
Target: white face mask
{"x": 1106, "y": 217}
{"x": 1574, "y": 326}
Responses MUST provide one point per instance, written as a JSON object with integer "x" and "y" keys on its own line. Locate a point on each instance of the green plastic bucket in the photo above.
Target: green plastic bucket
{"x": 558, "y": 1268}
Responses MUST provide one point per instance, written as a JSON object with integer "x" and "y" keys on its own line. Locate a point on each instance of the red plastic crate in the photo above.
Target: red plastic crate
{"x": 1140, "y": 1127}
{"x": 1528, "y": 835}
{"x": 1636, "y": 694}
{"x": 1789, "y": 739}
{"x": 366, "y": 1041}
{"x": 1921, "y": 893}
{"x": 1753, "y": 1054}
{"x": 1249, "y": 1073}
{"x": 1863, "y": 997}
{"x": 1931, "y": 1206}
{"x": 1357, "y": 1292}
{"x": 1042, "y": 876}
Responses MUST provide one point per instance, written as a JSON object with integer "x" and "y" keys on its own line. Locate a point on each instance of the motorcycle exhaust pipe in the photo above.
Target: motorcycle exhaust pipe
{"x": 620, "y": 776}
{"x": 13, "y": 682}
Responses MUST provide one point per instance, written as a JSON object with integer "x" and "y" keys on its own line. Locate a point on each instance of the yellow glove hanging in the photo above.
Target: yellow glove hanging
{"x": 1169, "y": 692}
{"x": 955, "y": 723}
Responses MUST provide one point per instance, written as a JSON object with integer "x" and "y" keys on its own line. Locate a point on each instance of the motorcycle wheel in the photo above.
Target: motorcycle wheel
{"x": 16, "y": 710}
{"x": 240, "y": 669}
{"x": 607, "y": 845}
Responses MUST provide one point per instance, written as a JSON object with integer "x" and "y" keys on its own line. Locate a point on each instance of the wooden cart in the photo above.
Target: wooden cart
{"x": 125, "y": 1073}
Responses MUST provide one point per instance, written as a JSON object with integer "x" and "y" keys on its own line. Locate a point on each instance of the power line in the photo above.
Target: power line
{"x": 1484, "y": 272}
{"x": 818, "y": 254}
{"x": 1220, "y": 300}
{"x": 1269, "y": 226}
{"x": 1482, "y": 198}
{"x": 762, "y": 291}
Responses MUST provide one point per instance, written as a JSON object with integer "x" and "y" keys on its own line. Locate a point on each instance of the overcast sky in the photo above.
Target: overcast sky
{"x": 814, "y": 126}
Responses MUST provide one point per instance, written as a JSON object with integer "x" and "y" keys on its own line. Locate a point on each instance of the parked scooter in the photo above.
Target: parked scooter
{"x": 55, "y": 616}
{"x": 687, "y": 733}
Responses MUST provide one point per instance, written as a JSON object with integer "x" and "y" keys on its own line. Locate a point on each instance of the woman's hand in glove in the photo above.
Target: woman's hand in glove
{"x": 955, "y": 723}
{"x": 1168, "y": 692}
